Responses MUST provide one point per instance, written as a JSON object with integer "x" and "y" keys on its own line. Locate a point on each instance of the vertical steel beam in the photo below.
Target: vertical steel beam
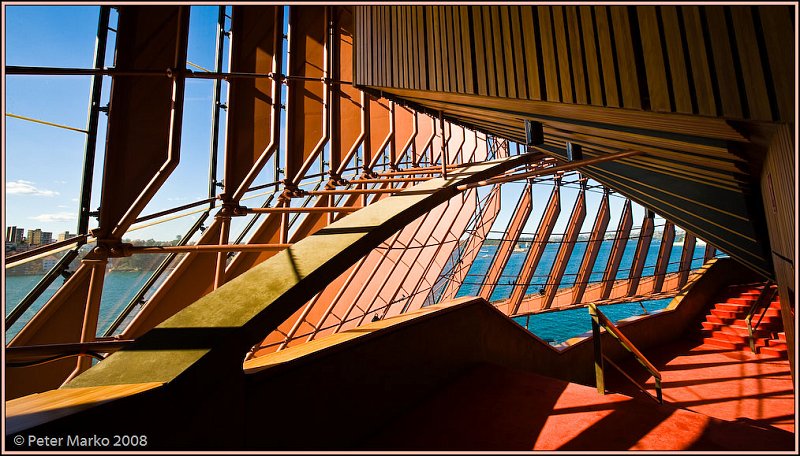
{"x": 143, "y": 146}
{"x": 250, "y": 144}
{"x": 489, "y": 211}
{"x": 456, "y": 144}
{"x": 392, "y": 142}
{"x": 424, "y": 139}
{"x": 565, "y": 250}
{"x": 592, "y": 249}
{"x": 405, "y": 130}
{"x": 687, "y": 255}
{"x": 617, "y": 249}
{"x": 510, "y": 239}
{"x": 470, "y": 146}
{"x": 216, "y": 107}
{"x": 642, "y": 248}
{"x": 664, "y": 253}
{"x": 380, "y": 131}
{"x": 432, "y": 158}
{"x": 350, "y": 126}
{"x": 305, "y": 115}
{"x": 444, "y": 151}
{"x": 90, "y": 147}
{"x": 145, "y": 113}
{"x": 538, "y": 245}
{"x": 253, "y": 129}
{"x": 91, "y": 312}
{"x": 482, "y": 150}
{"x": 253, "y": 119}
{"x": 222, "y": 257}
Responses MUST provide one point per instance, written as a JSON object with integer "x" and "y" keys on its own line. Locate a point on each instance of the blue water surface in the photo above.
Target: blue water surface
{"x": 557, "y": 326}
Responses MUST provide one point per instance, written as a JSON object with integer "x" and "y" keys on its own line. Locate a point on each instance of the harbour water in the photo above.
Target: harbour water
{"x": 481, "y": 265}
{"x": 121, "y": 286}
{"x": 557, "y": 326}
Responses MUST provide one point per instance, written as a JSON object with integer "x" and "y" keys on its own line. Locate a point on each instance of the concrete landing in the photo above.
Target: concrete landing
{"x": 732, "y": 385}
{"x": 492, "y": 408}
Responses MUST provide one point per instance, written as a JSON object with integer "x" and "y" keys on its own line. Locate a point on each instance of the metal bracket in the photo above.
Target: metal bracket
{"x": 292, "y": 191}
{"x": 110, "y": 248}
{"x": 228, "y": 210}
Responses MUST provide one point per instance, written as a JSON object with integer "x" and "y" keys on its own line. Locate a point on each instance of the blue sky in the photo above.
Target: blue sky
{"x": 43, "y": 164}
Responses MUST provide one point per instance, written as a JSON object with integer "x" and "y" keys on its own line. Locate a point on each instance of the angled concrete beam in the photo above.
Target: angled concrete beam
{"x": 534, "y": 254}
{"x": 510, "y": 239}
{"x": 617, "y": 250}
{"x": 664, "y": 252}
{"x": 592, "y": 249}
{"x": 639, "y": 258}
{"x": 687, "y": 254}
{"x": 710, "y": 252}
{"x": 565, "y": 250}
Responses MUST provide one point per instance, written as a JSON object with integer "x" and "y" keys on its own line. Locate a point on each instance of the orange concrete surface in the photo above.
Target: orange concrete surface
{"x": 732, "y": 385}
{"x": 495, "y": 408}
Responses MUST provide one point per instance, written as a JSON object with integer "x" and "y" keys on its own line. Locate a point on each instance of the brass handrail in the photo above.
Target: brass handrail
{"x": 766, "y": 296}
{"x": 598, "y": 320}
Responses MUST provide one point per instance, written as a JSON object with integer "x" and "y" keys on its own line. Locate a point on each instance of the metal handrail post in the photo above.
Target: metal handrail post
{"x": 767, "y": 293}
{"x": 598, "y": 318}
{"x": 598, "y": 351}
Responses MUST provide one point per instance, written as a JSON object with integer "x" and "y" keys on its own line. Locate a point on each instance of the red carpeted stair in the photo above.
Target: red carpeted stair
{"x": 725, "y": 324}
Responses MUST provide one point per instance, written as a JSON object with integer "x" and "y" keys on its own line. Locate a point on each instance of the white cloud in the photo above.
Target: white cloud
{"x": 57, "y": 217}
{"x": 22, "y": 187}
{"x": 60, "y": 182}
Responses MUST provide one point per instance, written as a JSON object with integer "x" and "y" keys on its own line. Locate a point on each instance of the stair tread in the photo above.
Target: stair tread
{"x": 726, "y": 326}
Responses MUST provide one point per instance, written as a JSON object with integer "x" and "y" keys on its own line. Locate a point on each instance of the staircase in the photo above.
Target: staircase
{"x": 725, "y": 324}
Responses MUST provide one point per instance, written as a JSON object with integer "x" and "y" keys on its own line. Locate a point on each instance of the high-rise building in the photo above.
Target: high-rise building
{"x": 65, "y": 235}
{"x": 39, "y": 237}
{"x": 14, "y": 234}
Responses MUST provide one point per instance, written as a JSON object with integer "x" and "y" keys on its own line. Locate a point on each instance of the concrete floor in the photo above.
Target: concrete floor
{"x": 732, "y": 385}
{"x": 714, "y": 400}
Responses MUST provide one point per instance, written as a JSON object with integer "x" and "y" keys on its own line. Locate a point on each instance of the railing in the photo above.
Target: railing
{"x": 767, "y": 294}
{"x": 598, "y": 320}
{"x": 32, "y": 355}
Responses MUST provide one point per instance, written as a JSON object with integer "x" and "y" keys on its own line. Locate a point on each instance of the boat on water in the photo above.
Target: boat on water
{"x": 335, "y": 287}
